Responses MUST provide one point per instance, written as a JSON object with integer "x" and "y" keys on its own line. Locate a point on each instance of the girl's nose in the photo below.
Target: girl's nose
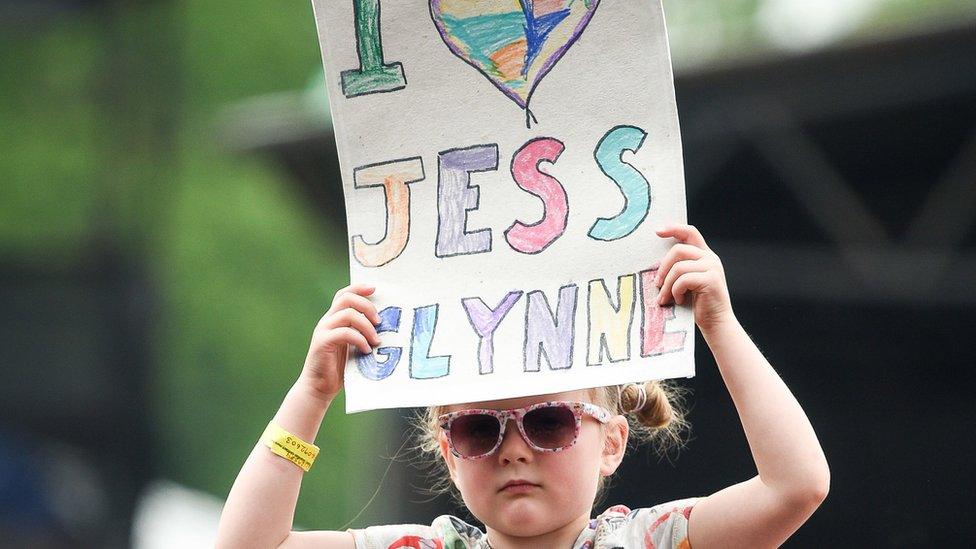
{"x": 514, "y": 447}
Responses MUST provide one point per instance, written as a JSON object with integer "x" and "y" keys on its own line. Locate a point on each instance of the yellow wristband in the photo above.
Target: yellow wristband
{"x": 290, "y": 447}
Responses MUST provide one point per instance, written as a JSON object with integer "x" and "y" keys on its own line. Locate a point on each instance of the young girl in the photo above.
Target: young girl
{"x": 530, "y": 468}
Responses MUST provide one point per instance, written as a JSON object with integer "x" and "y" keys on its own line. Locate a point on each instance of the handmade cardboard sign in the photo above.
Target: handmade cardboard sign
{"x": 505, "y": 164}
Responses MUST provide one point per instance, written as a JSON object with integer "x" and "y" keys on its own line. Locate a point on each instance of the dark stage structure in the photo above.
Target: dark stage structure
{"x": 75, "y": 435}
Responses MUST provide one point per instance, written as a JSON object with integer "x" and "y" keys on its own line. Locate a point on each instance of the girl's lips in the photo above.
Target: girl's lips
{"x": 518, "y": 487}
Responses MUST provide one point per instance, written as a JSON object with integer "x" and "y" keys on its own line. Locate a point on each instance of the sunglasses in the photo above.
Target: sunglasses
{"x": 546, "y": 427}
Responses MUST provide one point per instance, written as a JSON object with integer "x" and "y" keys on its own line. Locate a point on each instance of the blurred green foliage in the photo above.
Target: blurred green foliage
{"x": 108, "y": 131}
{"x": 49, "y": 139}
{"x": 922, "y": 13}
{"x": 712, "y": 32}
{"x": 246, "y": 276}
{"x": 248, "y": 269}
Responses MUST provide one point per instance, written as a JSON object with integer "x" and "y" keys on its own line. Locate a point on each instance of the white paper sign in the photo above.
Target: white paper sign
{"x": 504, "y": 165}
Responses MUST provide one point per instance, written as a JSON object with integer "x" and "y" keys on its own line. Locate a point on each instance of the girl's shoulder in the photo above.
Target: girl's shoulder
{"x": 661, "y": 526}
{"x": 445, "y": 531}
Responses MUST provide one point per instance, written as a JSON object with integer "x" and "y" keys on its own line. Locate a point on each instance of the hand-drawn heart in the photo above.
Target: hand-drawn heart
{"x": 513, "y": 43}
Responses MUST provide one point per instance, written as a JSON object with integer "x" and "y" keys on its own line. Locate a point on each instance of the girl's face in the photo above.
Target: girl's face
{"x": 557, "y": 489}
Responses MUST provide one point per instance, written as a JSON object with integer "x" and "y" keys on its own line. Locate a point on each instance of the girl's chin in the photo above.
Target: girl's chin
{"x": 522, "y": 517}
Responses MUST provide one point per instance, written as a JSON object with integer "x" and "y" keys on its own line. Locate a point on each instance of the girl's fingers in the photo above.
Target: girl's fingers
{"x": 353, "y": 319}
{"x": 355, "y": 289}
{"x": 688, "y": 283}
{"x": 688, "y": 234}
{"x": 678, "y": 252}
{"x": 350, "y": 300}
{"x": 349, "y": 336}
{"x": 680, "y": 268}
{"x": 361, "y": 289}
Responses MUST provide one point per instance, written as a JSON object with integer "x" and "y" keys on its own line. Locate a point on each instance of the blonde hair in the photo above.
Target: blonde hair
{"x": 654, "y": 411}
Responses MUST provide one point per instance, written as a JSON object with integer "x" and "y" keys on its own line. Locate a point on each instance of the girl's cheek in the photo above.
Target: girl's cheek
{"x": 473, "y": 476}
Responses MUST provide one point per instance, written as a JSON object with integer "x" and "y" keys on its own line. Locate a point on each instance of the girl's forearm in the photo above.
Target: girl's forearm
{"x": 261, "y": 505}
{"x": 784, "y": 446}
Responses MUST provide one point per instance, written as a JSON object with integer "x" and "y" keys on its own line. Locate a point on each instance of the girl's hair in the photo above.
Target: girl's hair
{"x": 656, "y": 417}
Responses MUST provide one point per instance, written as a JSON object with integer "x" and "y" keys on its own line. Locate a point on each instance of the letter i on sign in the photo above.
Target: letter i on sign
{"x": 373, "y": 75}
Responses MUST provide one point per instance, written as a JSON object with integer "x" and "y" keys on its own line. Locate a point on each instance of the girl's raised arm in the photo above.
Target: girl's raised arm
{"x": 793, "y": 476}
{"x": 261, "y": 505}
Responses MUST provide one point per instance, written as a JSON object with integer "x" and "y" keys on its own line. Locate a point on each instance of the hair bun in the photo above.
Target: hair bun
{"x": 648, "y": 402}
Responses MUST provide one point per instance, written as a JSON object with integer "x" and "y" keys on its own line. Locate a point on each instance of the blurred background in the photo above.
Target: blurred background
{"x": 171, "y": 228}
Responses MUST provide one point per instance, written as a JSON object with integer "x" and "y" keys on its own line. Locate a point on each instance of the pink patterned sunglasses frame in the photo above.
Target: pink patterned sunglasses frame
{"x": 599, "y": 413}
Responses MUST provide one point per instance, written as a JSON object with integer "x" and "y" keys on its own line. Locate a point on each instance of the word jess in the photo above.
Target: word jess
{"x": 547, "y": 334}
{"x": 456, "y": 197}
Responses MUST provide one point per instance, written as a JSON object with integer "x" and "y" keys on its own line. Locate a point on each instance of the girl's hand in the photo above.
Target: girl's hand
{"x": 351, "y": 320}
{"x": 691, "y": 267}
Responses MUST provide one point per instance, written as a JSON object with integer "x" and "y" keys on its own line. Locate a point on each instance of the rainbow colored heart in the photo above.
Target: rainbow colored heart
{"x": 513, "y": 43}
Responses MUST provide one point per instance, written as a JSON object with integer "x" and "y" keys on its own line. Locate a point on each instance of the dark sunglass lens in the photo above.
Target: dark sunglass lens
{"x": 550, "y": 427}
{"x": 474, "y": 434}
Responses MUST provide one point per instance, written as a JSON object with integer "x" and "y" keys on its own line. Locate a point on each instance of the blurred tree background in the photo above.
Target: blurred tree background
{"x": 109, "y": 135}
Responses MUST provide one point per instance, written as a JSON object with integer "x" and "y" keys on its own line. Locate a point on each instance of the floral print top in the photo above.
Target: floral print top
{"x": 660, "y": 527}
